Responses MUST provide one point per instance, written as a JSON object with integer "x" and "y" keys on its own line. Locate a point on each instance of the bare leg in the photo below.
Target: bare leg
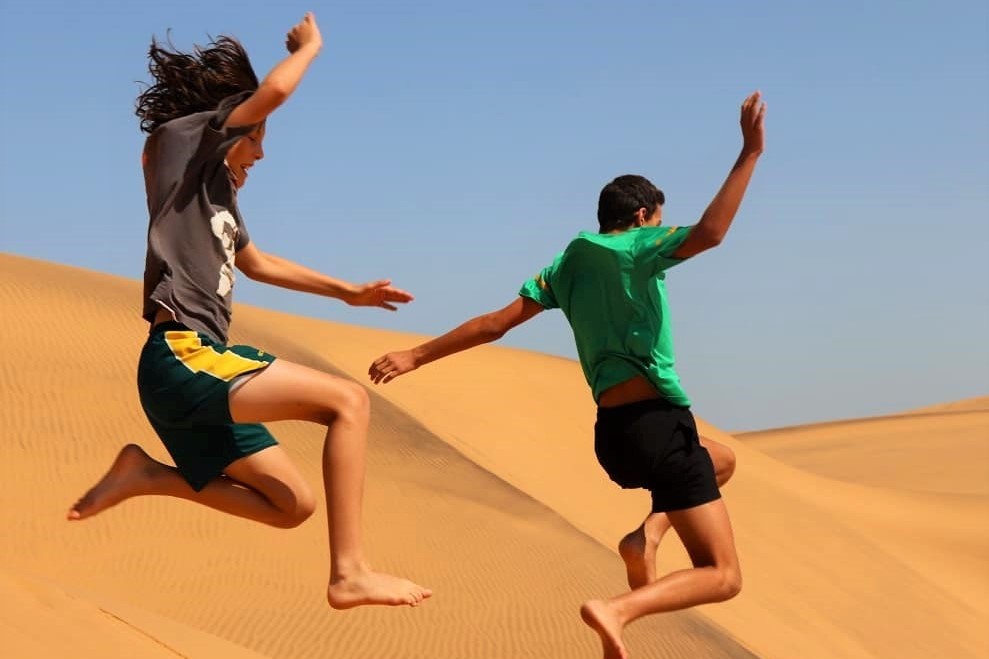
{"x": 638, "y": 548}
{"x": 135, "y": 473}
{"x": 707, "y": 535}
{"x": 288, "y": 391}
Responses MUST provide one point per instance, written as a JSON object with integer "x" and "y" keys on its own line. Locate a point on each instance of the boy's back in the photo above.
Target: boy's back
{"x": 611, "y": 289}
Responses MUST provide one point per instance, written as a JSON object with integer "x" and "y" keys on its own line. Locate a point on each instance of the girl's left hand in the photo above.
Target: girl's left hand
{"x": 378, "y": 294}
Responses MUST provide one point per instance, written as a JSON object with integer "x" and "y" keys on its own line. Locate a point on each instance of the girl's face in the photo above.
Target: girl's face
{"x": 242, "y": 155}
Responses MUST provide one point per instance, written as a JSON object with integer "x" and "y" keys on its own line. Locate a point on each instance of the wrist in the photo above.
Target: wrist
{"x": 751, "y": 152}
{"x": 345, "y": 292}
{"x": 417, "y": 356}
{"x": 312, "y": 48}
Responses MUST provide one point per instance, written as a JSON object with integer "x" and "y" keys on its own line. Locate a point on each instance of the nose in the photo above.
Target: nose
{"x": 259, "y": 152}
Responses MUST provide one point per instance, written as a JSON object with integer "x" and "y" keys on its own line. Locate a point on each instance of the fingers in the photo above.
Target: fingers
{"x": 753, "y": 111}
{"x": 387, "y": 368}
{"x": 381, "y": 367}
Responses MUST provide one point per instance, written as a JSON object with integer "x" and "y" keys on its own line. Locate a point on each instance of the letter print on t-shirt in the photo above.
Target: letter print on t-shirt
{"x": 225, "y": 229}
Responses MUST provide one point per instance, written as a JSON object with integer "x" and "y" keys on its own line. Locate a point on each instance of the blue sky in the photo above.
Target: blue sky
{"x": 457, "y": 147}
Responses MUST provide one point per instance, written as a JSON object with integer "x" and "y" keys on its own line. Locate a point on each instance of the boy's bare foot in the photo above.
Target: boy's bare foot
{"x": 128, "y": 476}
{"x": 366, "y": 587}
{"x": 638, "y": 550}
{"x": 600, "y": 617}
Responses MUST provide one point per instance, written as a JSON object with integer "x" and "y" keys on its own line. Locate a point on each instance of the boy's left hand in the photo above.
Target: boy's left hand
{"x": 388, "y": 367}
{"x": 378, "y": 294}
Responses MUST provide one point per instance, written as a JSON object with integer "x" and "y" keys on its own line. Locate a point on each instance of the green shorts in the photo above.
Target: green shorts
{"x": 184, "y": 380}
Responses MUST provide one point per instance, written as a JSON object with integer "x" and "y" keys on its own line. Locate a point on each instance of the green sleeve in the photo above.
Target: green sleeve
{"x": 663, "y": 244}
{"x": 540, "y": 287}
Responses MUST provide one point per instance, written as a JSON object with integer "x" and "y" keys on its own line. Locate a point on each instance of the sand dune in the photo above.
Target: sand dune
{"x": 43, "y": 620}
{"x": 483, "y": 485}
{"x": 509, "y": 572}
{"x": 968, "y": 404}
{"x": 832, "y": 569}
{"x": 943, "y": 449}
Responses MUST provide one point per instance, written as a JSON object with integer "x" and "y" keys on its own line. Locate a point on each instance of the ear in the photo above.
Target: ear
{"x": 641, "y": 217}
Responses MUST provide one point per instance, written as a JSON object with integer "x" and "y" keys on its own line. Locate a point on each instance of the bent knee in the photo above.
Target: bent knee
{"x": 728, "y": 464}
{"x": 354, "y": 404}
{"x": 349, "y": 403}
{"x": 723, "y": 459}
{"x": 731, "y": 583}
{"x": 293, "y": 516}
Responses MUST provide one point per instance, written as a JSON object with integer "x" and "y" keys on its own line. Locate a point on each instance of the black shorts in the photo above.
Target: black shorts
{"x": 653, "y": 445}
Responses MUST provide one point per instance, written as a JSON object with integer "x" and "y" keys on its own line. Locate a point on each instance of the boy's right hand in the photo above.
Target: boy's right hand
{"x": 305, "y": 33}
{"x": 753, "y": 130}
{"x": 388, "y": 367}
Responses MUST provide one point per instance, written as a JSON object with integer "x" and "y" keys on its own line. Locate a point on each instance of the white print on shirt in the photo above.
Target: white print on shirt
{"x": 225, "y": 229}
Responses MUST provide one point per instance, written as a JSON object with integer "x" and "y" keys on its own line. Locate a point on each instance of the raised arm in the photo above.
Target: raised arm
{"x": 303, "y": 43}
{"x": 714, "y": 224}
{"x": 482, "y": 329}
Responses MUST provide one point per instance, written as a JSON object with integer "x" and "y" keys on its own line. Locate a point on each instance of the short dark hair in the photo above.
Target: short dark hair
{"x": 621, "y": 198}
{"x": 186, "y": 83}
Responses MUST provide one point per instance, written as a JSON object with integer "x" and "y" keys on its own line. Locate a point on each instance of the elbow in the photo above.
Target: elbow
{"x": 711, "y": 238}
{"x": 270, "y": 95}
{"x": 491, "y": 328}
{"x": 276, "y": 92}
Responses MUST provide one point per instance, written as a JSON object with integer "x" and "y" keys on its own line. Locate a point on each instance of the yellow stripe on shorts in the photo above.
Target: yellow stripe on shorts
{"x": 189, "y": 349}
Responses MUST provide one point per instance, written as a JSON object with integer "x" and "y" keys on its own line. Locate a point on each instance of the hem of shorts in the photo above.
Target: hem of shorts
{"x": 250, "y": 371}
{"x": 678, "y": 507}
{"x": 198, "y": 484}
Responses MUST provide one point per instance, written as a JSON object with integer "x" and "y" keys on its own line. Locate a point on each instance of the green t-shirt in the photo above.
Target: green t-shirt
{"x": 611, "y": 288}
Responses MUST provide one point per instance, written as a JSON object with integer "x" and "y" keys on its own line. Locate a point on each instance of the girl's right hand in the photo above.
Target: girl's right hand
{"x": 305, "y": 33}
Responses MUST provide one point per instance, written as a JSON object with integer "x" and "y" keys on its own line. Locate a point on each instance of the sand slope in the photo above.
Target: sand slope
{"x": 941, "y": 450}
{"x": 43, "y": 620}
{"x": 508, "y": 571}
{"x": 832, "y": 569}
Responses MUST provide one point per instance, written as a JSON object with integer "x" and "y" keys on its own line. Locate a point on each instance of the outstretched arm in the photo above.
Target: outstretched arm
{"x": 714, "y": 224}
{"x": 482, "y": 329}
{"x": 303, "y": 43}
{"x": 274, "y": 270}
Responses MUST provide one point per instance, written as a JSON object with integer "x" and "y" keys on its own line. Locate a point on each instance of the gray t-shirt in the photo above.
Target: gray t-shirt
{"x": 195, "y": 227}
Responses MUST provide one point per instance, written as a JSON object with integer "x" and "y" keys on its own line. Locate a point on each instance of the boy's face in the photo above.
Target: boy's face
{"x": 242, "y": 155}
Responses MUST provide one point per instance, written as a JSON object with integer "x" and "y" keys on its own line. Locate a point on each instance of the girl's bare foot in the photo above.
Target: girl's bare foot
{"x": 129, "y": 475}
{"x": 600, "y": 617}
{"x": 365, "y": 587}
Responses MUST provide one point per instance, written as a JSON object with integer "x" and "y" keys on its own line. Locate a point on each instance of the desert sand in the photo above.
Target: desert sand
{"x": 856, "y": 540}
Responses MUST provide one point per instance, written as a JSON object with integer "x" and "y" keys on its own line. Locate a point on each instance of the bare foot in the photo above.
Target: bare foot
{"x": 638, "y": 550}
{"x": 600, "y": 617}
{"x": 128, "y": 476}
{"x": 367, "y": 587}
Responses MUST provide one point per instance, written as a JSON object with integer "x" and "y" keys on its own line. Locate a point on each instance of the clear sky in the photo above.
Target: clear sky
{"x": 456, "y": 147}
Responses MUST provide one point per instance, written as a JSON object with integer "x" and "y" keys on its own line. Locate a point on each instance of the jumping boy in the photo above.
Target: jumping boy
{"x": 611, "y": 287}
{"x": 206, "y": 116}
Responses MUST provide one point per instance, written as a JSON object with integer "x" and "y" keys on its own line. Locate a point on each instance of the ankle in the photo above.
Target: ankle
{"x": 345, "y": 569}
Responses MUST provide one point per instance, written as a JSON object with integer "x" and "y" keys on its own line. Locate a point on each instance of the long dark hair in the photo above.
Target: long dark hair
{"x": 185, "y": 83}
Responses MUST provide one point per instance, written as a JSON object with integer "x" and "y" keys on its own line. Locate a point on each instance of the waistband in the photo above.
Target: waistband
{"x": 639, "y": 407}
{"x": 168, "y": 326}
